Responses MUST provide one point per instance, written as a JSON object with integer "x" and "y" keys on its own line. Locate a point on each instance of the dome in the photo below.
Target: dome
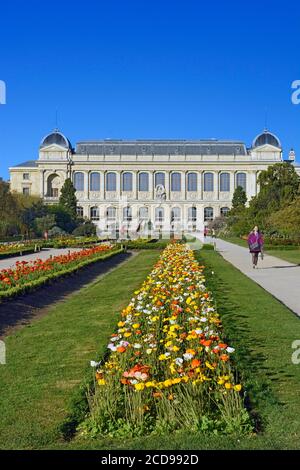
{"x": 266, "y": 138}
{"x": 56, "y": 138}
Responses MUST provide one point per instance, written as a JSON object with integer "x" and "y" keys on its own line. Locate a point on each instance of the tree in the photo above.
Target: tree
{"x": 286, "y": 221}
{"x": 63, "y": 218}
{"x": 239, "y": 198}
{"x": 68, "y": 197}
{"x": 44, "y": 223}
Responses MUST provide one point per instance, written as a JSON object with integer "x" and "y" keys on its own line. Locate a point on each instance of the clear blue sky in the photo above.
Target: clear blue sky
{"x": 147, "y": 69}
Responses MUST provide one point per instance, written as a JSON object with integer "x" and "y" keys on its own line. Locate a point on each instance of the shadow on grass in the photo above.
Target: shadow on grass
{"x": 22, "y": 309}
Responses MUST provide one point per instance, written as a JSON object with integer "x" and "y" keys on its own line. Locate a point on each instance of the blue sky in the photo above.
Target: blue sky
{"x": 147, "y": 69}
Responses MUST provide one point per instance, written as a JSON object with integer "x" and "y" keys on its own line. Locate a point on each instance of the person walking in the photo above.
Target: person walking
{"x": 255, "y": 243}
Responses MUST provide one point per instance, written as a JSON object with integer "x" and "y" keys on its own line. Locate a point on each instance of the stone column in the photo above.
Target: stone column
{"x": 42, "y": 184}
{"x": 102, "y": 185}
{"x": 167, "y": 181}
{"x": 134, "y": 185}
{"x": 183, "y": 185}
{"x": 151, "y": 184}
{"x": 86, "y": 184}
{"x": 118, "y": 180}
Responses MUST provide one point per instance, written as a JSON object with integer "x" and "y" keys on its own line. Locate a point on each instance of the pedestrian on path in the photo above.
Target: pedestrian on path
{"x": 256, "y": 243}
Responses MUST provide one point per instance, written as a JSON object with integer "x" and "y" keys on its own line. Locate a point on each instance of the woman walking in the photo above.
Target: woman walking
{"x": 256, "y": 243}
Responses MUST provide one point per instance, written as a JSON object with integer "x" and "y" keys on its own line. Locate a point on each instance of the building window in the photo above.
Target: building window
{"x": 95, "y": 181}
{"x": 143, "y": 213}
{"x": 159, "y": 179}
{"x": 26, "y": 191}
{"x": 224, "y": 211}
{"x": 225, "y": 182}
{"x": 111, "y": 213}
{"x": 175, "y": 214}
{"x": 79, "y": 211}
{"x": 143, "y": 182}
{"x": 79, "y": 181}
{"x": 26, "y": 176}
{"x": 192, "y": 214}
{"x": 176, "y": 182}
{"x": 208, "y": 214}
{"x": 95, "y": 215}
{"x": 111, "y": 181}
{"x": 159, "y": 214}
{"x": 127, "y": 214}
{"x": 241, "y": 180}
{"x": 208, "y": 181}
{"x": 127, "y": 181}
{"x": 192, "y": 182}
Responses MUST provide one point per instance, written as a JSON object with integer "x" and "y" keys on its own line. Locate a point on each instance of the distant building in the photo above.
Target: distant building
{"x": 162, "y": 182}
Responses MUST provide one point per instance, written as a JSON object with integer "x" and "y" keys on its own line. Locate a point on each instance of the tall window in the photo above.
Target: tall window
{"x": 208, "y": 181}
{"x": 111, "y": 213}
{"x": 225, "y": 182}
{"x": 241, "y": 180}
{"x": 192, "y": 182}
{"x": 95, "y": 181}
{"x": 111, "y": 181}
{"x": 26, "y": 176}
{"x": 26, "y": 191}
{"x": 175, "y": 214}
{"x": 79, "y": 181}
{"x": 224, "y": 211}
{"x": 159, "y": 214}
{"x": 143, "y": 182}
{"x": 127, "y": 181}
{"x": 143, "y": 213}
{"x": 159, "y": 179}
{"x": 95, "y": 214}
{"x": 127, "y": 214}
{"x": 208, "y": 214}
{"x": 79, "y": 211}
{"x": 176, "y": 182}
{"x": 192, "y": 214}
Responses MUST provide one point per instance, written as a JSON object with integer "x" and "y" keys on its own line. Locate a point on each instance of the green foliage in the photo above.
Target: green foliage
{"x": 287, "y": 219}
{"x": 86, "y": 229}
{"x": 239, "y": 198}
{"x": 68, "y": 197}
{"x": 63, "y": 217}
{"x": 44, "y": 223}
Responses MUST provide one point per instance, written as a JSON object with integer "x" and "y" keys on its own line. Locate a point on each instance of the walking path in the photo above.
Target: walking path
{"x": 280, "y": 278}
{"x": 44, "y": 254}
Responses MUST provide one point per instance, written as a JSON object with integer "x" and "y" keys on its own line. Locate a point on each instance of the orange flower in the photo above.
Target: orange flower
{"x": 222, "y": 345}
{"x": 206, "y": 342}
{"x": 224, "y": 357}
{"x": 195, "y": 363}
{"x": 121, "y": 349}
{"x": 157, "y": 394}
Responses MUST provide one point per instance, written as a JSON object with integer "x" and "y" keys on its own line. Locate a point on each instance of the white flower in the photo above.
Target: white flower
{"x": 203, "y": 319}
{"x": 187, "y": 356}
{"x": 94, "y": 363}
{"x": 178, "y": 361}
{"x": 115, "y": 338}
{"x": 198, "y": 332}
{"x": 137, "y": 346}
{"x": 112, "y": 347}
{"x": 230, "y": 350}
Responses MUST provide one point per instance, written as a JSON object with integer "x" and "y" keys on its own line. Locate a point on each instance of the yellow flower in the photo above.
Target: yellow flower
{"x": 149, "y": 384}
{"x": 175, "y": 348}
{"x": 127, "y": 334}
{"x": 237, "y": 387}
{"x": 168, "y": 383}
{"x": 121, "y": 323}
{"x": 136, "y": 325}
{"x": 101, "y": 382}
{"x": 221, "y": 381}
{"x": 209, "y": 366}
{"x": 140, "y": 386}
{"x": 228, "y": 385}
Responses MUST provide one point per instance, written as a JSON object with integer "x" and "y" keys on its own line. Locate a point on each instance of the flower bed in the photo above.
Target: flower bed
{"x": 17, "y": 249}
{"x": 74, "y": 242}
{"x": 168, "y": 366}
{"x": 28, "y": 275}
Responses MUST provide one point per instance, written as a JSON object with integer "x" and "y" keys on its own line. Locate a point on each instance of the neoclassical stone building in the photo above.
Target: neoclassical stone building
{"x": 165, "y": 182}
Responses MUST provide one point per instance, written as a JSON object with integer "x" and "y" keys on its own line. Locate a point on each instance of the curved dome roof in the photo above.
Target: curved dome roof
{"x": 266, "y": 138}
{"x": 56, "y": 138}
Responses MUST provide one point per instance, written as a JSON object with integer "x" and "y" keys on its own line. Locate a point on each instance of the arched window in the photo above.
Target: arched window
{"x": 225, "y": 182}
{"x": 127, "y": 181}
{"x": 192, "y": 214}
{"x": 111, "y": 181}
{"x": 53, "y": 185}
{"x": 175, "y": 214}
{"x": 79, "y": 211}
{"x": 143, "y": 213}
{"x": 175, "y": 182}
{"x": 208, "y": 214}
{"x": 224, "y": 211}
{"x": 241, "y": 180}
{"x": 192, "y": 182}
{"x": 79, "y": 181}
{"x": 127, "y": 213}
{"x": 95, "y": 214}
{"x": 143, "y": 182}
{"x": 159, "y": 179}
{"x": 111, "y": 213}
{"x": 95, "y": 181}
{"x": 159, "y": 214}
{"x": 208, "y": 181}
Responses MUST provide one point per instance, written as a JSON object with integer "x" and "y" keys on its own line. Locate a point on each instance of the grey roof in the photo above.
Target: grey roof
{"x": 266, "y": 138}
{"x": 57, "y": 138}
{"x": 28, "y": 164}
{"x": 161, "y": 147}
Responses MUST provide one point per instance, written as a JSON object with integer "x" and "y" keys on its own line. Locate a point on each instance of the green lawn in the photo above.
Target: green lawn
{"x": 47, "y": 359}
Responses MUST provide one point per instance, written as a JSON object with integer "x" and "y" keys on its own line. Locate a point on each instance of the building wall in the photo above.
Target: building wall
{"x": 18, "y": 182}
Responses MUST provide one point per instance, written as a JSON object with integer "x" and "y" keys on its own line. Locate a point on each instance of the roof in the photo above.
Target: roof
{"x": 28, "y": 164}
{"x": 266, "y": 138}
{"x": 161, "y": 147}
{"x": 56, "y": 138}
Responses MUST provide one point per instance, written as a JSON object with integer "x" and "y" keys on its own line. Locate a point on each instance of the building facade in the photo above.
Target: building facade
{"x": 164, "y": 183}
